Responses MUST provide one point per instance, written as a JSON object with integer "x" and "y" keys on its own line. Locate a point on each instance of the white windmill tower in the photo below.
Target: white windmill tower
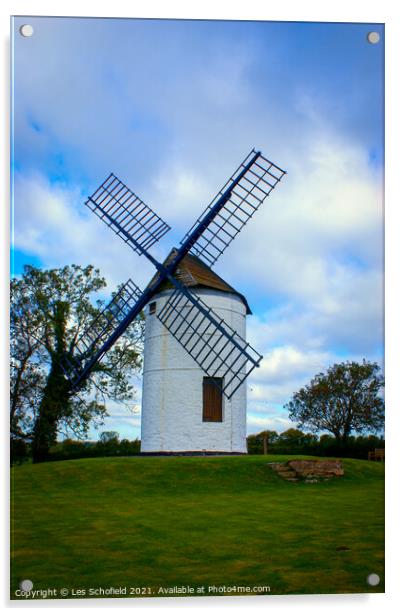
{"x": 200, "y": 418}
{"x": 196, "y": 356}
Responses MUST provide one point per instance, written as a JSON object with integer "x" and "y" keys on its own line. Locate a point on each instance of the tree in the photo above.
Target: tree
{"x": 108, "y": 436}
{"x": 261, "y": 442}
{"x": 348, "y": 397}
{"x": 292, "y": 436}
{"x": 271, "y": 435}
{"x": 50, "y": 310}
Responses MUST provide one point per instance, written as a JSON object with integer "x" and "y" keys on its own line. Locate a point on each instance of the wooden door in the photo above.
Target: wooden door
{"x": 212, "y": 399}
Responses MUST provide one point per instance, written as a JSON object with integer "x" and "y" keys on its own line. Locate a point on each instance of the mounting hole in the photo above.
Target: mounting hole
{"x": 26, "y": 585}
{"x": 373, "y": 579}
{"x": 26, "y": 30}
{"x": 373, "y": 37}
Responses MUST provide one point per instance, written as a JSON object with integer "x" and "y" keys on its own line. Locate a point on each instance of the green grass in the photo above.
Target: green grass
{"x": 151, "y": 522}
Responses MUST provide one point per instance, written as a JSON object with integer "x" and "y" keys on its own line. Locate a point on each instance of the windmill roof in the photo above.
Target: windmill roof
{"x": 193, "y": 272}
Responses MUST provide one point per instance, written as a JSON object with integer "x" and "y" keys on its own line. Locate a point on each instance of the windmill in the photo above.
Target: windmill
{"x": 187, "y": 324}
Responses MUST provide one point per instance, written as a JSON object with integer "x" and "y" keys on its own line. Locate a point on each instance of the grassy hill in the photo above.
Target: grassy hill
{"x": 165, "y": 522}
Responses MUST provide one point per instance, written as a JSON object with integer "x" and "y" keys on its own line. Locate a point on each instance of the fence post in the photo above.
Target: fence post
{"x": 265, "y": 444}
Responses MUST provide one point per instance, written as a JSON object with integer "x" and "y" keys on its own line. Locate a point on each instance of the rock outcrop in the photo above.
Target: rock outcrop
{"x": 310, "y": 471}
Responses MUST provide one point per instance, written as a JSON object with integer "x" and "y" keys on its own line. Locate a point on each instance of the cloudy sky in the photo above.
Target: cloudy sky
{"x": 172, "y": 107}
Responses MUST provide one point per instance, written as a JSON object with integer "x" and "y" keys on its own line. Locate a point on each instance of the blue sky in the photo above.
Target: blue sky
{"x": 172, "y": 107}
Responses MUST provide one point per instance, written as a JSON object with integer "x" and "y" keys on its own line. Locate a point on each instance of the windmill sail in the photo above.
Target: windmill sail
{"x": 214, "y": 345}
{"x": 128, "y": 216}
{"x": 93, "y": 343}
{"x": 232, "y": 207}
{"x": 217, "y": 349}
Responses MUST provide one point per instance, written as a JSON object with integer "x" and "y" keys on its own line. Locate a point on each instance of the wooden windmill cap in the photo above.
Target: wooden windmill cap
{"x": 193, "y": 272}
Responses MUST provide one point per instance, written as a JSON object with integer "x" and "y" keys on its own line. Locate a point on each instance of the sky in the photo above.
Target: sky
{"x": 172, "y": 108}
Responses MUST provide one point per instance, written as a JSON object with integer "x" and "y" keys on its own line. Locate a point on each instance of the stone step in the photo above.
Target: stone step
{"x": 309, "y": 471}
{"x": 284, "y": 471}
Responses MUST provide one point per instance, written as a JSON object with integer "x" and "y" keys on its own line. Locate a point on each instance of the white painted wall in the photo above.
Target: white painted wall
{"x": 172, "y": 388}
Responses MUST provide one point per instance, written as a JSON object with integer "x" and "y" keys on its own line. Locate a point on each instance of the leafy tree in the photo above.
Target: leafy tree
{"x": 295, "y": 441}
{"x": 271, "y": 435}
{"x": 292, "y": 436}
{"x": 348, "y": 397}
{"x": 108, "y": 436}
{"x": 255, "y": 442}
{"x": 50, "y": 310}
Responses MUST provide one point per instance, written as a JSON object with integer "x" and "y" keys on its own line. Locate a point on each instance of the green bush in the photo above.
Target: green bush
{"x": 19, "y": 450}
{"x": 296, "y": 442}
{"x": 70, "y": 449}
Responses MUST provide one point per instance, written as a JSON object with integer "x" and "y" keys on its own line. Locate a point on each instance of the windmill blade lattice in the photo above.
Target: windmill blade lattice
{"x": 242, "y": 195}
{"x": 194, "y": 324}
{"x": 128, "y": 216}
{"x": 90, "y": 345}
{"x": 217, "y": 349}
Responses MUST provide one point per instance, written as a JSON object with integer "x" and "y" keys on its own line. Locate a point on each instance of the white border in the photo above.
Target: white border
{"x": 284, "y": 10}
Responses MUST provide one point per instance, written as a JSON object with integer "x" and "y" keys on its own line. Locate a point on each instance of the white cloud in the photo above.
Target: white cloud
{"x": 321, "y": 269}
{"x": 327, "y": 212}
{"x": 179, "y": 190}
{"x": 278, "y": 422}
{"x": 282, "y": 372}
{"x": 124, "y": 419}
{"x": 52, "y": 223}
{"x": 286, "y": 362}
{"x": 312, "y": 256}
{"x": 347, "y": 315}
